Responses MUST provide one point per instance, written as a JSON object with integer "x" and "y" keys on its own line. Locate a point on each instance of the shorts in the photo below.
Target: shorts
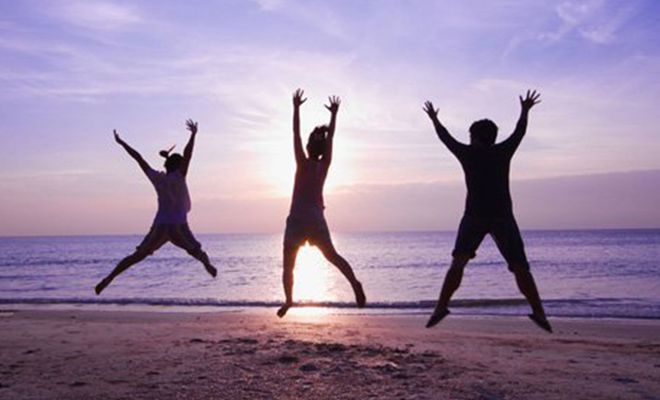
{"x": 503, "y": 230}
{"x": 300, "y": 230}
{"x": 179, "y": 234}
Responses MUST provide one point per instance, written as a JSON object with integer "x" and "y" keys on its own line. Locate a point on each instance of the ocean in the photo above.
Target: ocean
{"x": 590, "y": 273}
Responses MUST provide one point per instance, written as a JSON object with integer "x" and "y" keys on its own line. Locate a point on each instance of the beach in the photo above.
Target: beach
{"x": 315, "y": 354}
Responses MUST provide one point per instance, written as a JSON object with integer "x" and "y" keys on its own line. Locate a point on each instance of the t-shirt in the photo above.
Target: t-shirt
{"x": 307, "y": 199}
{"x": 486, "y": 171}
{"x": 173, "y": 198}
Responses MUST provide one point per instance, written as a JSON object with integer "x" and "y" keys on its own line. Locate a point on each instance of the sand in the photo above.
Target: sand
{"x": 85, "y": 354}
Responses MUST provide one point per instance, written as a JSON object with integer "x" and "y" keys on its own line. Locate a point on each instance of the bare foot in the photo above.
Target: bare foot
{"x": 541, "y": 321}
{"x": 282, "y": 311}
{"x": 102, "y": 285}
{"x": 436, "y": 317}
{"x": 360, "y": 298}
{"x": 211, "y": 270}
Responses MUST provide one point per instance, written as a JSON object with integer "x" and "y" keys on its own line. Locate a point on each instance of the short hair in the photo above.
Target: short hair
{"x": 484, "y": 130}
{"x": 316, "y": 142}
{"x": 173, "y": 162}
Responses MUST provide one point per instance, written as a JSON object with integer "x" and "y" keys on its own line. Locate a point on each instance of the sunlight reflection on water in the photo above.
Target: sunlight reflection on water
{"x": 311, "y": 275}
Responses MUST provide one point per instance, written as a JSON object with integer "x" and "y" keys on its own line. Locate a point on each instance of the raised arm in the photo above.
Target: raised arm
{"x": 133, "y": 153}
{"x": 333, "y": 107}
{"x": 526, "y": 104}
{"x": 298, "y": 100}
{"x": 445, "y": 137}
{"x": 187, "y": 152}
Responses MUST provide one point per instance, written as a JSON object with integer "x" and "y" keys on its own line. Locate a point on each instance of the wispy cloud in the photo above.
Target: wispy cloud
{"x": 317, "y": 16}
{"x": 606, "y": 29}
{"x": 592, "y": 20}
{"x": 269, "y": 5}
{"x": 96, "y": 15}
{"x": 206, "y": 70}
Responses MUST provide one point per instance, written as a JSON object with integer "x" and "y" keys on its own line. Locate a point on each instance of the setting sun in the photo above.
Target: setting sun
{"x": 312, "y": 275}
{"x": 277, "y": 165}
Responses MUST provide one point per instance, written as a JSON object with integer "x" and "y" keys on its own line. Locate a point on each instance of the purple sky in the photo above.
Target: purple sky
{"x": 71, "y": 71}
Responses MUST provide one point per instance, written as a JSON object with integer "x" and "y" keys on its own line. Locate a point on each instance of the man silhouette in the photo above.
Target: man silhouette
{"x": 171, "y": 221}
{"x": 488, "y": 206}
{"x": 306, "y": 221}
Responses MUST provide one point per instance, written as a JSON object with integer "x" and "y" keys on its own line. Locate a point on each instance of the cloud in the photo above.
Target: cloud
{"x": 314, "y": 15}
{"x": 592, "y": 20}
{"x": 605, "y": 30}
{"x": 80, "y": 72}
{"x": 97, "y": 15}
{"x": 269, "y": 5}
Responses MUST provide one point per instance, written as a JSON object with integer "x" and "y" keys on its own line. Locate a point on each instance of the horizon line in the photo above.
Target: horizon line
{"x": 236, "y": 233}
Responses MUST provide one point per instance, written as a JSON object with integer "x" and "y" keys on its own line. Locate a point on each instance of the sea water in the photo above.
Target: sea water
{"x": 591, "y": 273}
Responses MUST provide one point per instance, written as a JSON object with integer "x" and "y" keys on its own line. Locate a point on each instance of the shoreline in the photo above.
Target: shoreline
{"x": 517, "y": 310}
{"x": 252, "y": 354}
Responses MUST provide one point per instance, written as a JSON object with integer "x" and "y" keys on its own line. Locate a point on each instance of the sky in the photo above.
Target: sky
{"x": 72, "y": 71}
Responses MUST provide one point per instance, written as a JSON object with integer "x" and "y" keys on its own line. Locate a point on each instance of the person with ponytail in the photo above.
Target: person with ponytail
{"x": 171, "y": 221}
{"x": 306, "y": 222}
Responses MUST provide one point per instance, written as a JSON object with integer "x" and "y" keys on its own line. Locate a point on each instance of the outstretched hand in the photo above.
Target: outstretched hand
{"x": 334, "y": 104}
{"x": 191, "y": 126}
{"x": 530, "y": 100}
{"x": 430, "y": 111}
{"x": 298, "y": 99}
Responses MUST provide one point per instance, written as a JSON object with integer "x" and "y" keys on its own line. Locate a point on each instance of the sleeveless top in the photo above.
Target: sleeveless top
{"x": 307, "y": 199}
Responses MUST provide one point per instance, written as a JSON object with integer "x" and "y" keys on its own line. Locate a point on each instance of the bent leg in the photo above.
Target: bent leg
{"x": 154, "y": 240}
{"x": 181, "y": 236}
{"x": 201, "y": 255}
{"x": 123, "y": 265}
{"x": 329, "y": 252}
{"x": 290, "y": 253}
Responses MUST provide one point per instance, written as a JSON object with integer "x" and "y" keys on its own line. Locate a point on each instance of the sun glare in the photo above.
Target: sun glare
{"x": 277, "y": 167}
{"x": 312, "y": 275}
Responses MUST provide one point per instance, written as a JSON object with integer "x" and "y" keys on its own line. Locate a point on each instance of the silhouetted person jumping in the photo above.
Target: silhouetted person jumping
{"x": 488, "y": 207}
{"x": 171, "y": 222}
{"x": 306, "y": 221}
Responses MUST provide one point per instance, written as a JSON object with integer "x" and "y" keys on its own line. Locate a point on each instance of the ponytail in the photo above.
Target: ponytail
{"x": 166, "y": 153}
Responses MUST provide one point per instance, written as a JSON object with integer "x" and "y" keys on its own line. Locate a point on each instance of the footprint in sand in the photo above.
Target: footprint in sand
{"x": 287, "y": 359}
{"x": 309, "y": 367}
{"x": 625, "y": 380}
{"x": 247, "y": 340}
{"x": 116, "y": 381}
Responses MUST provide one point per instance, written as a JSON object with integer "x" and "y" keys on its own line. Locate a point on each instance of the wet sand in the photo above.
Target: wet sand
{"x": 82, "y": 354}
